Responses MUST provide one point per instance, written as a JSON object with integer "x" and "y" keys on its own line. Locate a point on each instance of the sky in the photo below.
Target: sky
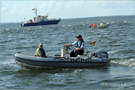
{"x": 15, "y": 11}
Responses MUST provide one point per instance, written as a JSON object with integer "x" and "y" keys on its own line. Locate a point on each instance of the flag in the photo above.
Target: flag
{"x": 92, "y": 43}
{"x": 33, "y": 9}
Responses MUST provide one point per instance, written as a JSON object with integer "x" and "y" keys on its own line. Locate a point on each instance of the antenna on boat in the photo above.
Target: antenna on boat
{"x": 35, "y": 9}
{"x": 98, "y": 38}
{"x": 24, "y": 18}
{"x": 95, "y": 41}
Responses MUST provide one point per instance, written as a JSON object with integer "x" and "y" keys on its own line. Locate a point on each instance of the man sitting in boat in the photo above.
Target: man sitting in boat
{"x": 40, "y": 51}
{"x": 80, "y": 46}
{"x": 94, "y": 25}
{"x": 101, "y": 24}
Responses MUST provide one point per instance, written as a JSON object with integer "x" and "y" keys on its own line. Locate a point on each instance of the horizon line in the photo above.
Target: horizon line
{"x": 77, "y": 18}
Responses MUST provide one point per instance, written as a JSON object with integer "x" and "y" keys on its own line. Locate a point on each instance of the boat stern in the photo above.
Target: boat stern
{"x": 22, "y": 24}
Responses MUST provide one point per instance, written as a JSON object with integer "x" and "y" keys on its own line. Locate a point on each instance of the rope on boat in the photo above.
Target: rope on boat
{"x": 70, "y": 59}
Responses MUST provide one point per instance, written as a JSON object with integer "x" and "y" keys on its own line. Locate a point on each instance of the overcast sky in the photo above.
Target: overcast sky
{"x": 15, "y": 11}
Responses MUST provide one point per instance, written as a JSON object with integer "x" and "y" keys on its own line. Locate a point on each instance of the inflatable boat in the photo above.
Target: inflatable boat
{"x": 64, "y": 61}
{"x": 100, "y": 27}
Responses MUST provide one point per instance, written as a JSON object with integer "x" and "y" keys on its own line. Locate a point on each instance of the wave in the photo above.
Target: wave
{"x": 69, "y": 25}
{"x": 129, "y": 63}
{"x": 28, "y": 29}
{"x": 64, "y": 25}
{"x": 114, "y": 51}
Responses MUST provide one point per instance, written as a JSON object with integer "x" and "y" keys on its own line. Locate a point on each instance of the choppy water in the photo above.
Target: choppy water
{"x": 117, "y": 40}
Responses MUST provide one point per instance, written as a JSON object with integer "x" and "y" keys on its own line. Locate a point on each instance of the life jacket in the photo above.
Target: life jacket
{"x": 80, "y": 44}
{"x": 43, "y": 52}
{"x": 94, "y": 25}
{"x": 101, "y": 24}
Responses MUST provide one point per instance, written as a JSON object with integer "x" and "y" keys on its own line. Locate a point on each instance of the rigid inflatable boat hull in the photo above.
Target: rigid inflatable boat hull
{"x": 100, "y": 27}
{"x": 31, "y": 61}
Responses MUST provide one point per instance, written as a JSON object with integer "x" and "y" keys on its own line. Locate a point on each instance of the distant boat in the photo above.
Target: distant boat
{"x": 40, "y": 20}
{"x": 100, "y": 27}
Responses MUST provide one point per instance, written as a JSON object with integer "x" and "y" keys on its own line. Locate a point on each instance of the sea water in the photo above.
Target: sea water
{"x": 117, "y": 40}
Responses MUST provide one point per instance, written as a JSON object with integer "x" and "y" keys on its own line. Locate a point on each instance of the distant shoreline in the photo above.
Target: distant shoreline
{"x": 79, "y": 18}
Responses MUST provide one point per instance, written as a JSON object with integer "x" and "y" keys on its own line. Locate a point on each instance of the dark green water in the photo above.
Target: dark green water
{"x": 118, "y": 40}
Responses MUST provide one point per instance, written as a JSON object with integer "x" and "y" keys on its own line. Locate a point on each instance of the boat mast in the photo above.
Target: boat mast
{"x": 35, "y": 11}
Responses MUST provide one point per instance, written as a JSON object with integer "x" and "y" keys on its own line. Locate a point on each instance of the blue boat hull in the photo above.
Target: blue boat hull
{"x": 41, "y": 23}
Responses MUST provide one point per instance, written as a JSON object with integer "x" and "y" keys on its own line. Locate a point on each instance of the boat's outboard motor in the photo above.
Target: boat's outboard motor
{"x": 101, "y": 54}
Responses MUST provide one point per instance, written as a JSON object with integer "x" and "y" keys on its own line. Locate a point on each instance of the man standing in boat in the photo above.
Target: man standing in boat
{"x": 80, "y": 46}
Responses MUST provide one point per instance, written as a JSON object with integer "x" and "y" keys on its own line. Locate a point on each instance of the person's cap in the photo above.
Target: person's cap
{"x": 79, "y": 36}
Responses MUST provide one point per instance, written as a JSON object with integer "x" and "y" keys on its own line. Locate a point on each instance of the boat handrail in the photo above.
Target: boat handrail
{"x": 54, "y": 19}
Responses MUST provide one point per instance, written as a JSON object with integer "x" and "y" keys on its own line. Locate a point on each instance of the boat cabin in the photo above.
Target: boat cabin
{"x": 40, "y": 18}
